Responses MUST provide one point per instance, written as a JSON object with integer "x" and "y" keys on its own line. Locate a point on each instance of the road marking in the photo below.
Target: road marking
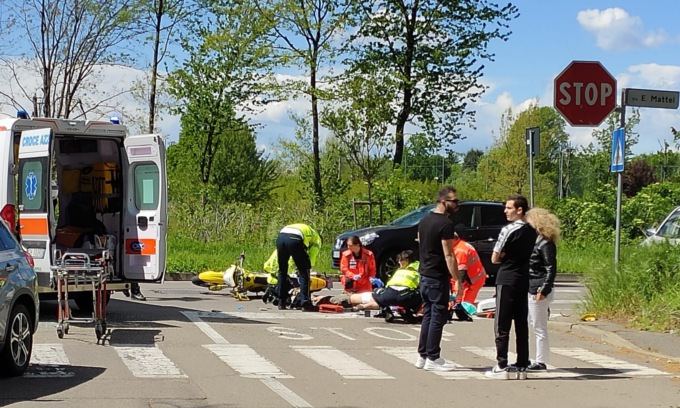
{"x": 285, "y": 393}
{"x": 205, "y": 327}
{"x": 148, "y": 362}
{"x": 607, "y": 362}
{"x": 245, "y": 361}
{"x": 278, "y": 315}
{"x": 336, "y": 331}
{"x": 342, "y": 363}
{"x": 280, "y": 389}
{"x": 490, "y": 353}
{"x": 410, "y": 355}
{"x": 48, "y": 361}
{"x": 402, "y": 336}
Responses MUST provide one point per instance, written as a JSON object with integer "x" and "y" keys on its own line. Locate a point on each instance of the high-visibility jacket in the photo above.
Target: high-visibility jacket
{"x": 271, "y": 266}
{"x": 310, "y": 238}
{"x": 468, "y": 261}
{"x": 363, "y": 265}
{"x": 408, "y": 277}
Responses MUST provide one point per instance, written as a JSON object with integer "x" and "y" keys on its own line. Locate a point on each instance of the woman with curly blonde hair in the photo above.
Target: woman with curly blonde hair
{"x": 542, "y": 271}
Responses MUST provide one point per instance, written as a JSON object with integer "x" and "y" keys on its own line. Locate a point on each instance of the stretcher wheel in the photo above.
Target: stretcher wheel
{"x": 98, "y": 331}
{"x": 60, "y": 332}
{"x": 66, "y": 328}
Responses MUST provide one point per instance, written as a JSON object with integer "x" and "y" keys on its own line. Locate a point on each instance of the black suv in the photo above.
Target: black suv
{"x": 477, "y": 222}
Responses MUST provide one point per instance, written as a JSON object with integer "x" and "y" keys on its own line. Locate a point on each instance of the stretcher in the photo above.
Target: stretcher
{"x": 82, "y": 267}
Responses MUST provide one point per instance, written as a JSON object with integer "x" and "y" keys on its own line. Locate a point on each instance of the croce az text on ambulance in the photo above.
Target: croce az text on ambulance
{"x": 85, "y": 184}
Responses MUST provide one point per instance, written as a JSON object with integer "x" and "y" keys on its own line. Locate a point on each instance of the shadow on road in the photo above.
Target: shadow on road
{"x": 19, "y": 389}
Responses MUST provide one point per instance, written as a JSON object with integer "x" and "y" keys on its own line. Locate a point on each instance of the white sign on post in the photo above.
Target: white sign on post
{"x": 651, "y": 98}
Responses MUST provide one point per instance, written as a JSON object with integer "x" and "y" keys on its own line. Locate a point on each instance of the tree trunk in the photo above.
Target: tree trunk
{"x": 160, "y": 10}
{"x": 318, "y": 191}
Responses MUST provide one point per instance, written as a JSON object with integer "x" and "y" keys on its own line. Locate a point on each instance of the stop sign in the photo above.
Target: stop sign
{"x": 585, "y": 93}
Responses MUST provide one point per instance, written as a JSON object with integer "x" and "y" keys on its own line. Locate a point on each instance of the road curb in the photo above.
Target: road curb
{"x": 608, "y": 337}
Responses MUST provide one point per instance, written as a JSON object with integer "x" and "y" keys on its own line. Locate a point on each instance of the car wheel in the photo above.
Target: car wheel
{"x": 16, "y": 355}
{"x": 387, "y": 265}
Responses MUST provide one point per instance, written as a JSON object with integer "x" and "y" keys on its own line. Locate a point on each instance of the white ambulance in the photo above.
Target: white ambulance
{"x": 85, "y": 184}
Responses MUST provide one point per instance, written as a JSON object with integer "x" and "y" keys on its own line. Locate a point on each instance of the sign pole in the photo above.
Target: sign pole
{"x": 533, "y": 139}
{"x": 619, "y": 183}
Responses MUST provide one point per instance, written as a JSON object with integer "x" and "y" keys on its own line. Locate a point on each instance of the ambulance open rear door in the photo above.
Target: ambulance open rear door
{"x": 145, "y": 213}
{"x": 35, "y": 199}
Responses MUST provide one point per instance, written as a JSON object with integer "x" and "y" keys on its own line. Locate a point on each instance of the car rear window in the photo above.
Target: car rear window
{"x": 6, "y": 240}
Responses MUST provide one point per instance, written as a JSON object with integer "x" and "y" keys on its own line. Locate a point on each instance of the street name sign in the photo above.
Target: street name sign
{"x": 651, "y": 98}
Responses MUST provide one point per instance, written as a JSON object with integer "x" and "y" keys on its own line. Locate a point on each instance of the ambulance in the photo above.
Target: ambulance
{"x": 73, "y": 184}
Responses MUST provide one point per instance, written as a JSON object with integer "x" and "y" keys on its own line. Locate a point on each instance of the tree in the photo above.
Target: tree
{"x": 472, "y": 159}
{"x": 304, "y": 31}
{"x": 592, "y": 164}
{"x": 434, "y": 50}
{"x": 227, "y": 70}
{"x": 164, "y": 18}
{"x": 65, "y": 42}
{"x": 360, "y": 125}
{"x": 506, "y": 167}
{"x": 637, "y": 175}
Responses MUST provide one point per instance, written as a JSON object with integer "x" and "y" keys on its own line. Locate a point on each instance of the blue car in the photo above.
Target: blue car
{"x": 19, "y": 307}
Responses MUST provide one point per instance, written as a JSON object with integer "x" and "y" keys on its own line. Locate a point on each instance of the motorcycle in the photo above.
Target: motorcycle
{"x": 242, "y": 281}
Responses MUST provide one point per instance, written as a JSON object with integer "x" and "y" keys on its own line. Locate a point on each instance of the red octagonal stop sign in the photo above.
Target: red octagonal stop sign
{"x": 585, "y": 93}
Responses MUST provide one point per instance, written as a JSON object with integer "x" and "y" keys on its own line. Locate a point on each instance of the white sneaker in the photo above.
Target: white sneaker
{"x": 420, "y": 362}
{"x": 438, "y": 365}
{"x": 497, "y": 373}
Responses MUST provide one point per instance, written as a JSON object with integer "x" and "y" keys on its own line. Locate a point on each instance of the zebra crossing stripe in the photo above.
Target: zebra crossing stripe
{"x": 552, "y": 372}
{"x": 148, "y": 362}
{"x": 607, "y": 362}
{"x": 410, "y": 355}
{"x": 342, "y": 363}
{"x": 244, "y": 360}
{"x": 48, "y": 361}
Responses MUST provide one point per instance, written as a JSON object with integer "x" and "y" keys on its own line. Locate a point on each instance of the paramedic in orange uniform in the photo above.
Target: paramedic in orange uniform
{"x": 469, "y": 264}
{"x": 357, "y": 265}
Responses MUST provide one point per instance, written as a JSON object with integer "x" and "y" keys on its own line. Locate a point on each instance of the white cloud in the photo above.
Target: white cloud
{"x": 655, "y": 76}
{"x": 616, "y": 30}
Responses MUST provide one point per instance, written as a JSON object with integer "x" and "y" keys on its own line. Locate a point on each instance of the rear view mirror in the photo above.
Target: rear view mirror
{"x": 650, "y": 231}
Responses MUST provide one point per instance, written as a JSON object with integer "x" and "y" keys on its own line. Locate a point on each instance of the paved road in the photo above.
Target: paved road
{"x": 186, "y": 347}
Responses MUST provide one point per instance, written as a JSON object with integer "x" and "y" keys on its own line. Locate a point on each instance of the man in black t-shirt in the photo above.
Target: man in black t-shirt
{"x": 437, "y": 267}
{"x": 512, "y": 250}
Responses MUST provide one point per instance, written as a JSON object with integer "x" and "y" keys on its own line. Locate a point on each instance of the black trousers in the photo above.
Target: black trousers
{"x": 512, "y": 306}
{"x": 291, "y": 246}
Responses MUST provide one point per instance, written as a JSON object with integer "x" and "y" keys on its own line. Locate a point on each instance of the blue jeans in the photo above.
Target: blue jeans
{"x": 435, "y": 294}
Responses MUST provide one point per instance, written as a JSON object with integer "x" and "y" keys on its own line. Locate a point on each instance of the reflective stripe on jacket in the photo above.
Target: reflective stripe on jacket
{"x": 468, "y": 260}
{"x": 408, "y": 277}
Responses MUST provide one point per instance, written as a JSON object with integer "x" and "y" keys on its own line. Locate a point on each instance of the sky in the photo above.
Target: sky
{"x": 637, "y": 42}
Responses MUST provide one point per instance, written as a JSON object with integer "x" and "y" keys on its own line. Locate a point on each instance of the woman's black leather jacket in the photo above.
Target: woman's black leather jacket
{"x": 542, "y": 266}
